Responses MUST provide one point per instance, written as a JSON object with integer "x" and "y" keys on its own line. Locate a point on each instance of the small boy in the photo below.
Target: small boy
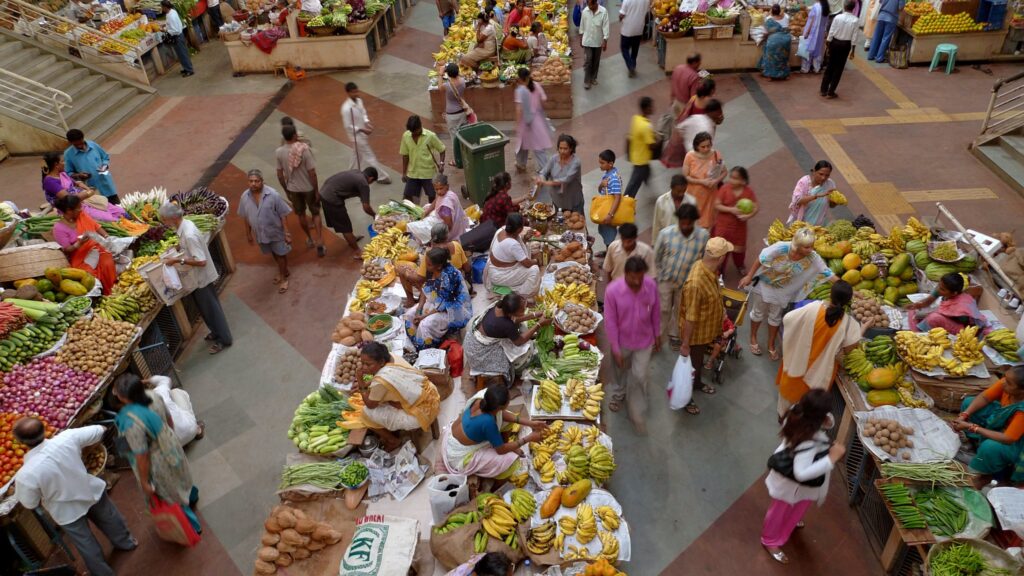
{"x": 728, "y": 329}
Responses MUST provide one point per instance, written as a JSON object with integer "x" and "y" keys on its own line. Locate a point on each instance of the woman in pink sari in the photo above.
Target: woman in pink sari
{"x": 531, "y": 123}
{"x": 57, "y": 183}
{"x": 957, "y": 310}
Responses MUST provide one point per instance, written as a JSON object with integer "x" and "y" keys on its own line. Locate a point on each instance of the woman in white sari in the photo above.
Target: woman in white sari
{"x": 509, "y": 263}
{"x": 495, "y": 344}
{"x": 473, "y": 444}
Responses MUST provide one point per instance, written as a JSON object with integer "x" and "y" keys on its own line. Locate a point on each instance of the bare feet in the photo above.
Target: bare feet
{"x": 283, "y": 287}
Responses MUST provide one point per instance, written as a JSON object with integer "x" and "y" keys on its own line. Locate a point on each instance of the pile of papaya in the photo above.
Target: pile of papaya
{"x": 56, "y": 285}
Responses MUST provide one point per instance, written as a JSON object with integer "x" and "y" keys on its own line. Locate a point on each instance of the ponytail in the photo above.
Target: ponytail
{"x": 510, "y": 303}
{"x": 840, "y": 298}
{"x": 524, "y": 74}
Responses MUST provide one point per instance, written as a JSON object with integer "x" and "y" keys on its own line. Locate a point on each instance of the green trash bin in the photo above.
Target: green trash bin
{"x": 482, "y": 149}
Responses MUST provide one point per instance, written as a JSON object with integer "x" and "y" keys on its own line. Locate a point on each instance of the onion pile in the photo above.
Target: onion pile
{"x": 46, "y": 388}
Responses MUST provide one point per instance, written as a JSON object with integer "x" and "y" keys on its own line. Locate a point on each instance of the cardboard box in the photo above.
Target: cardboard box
{"x": 154, "y": 275}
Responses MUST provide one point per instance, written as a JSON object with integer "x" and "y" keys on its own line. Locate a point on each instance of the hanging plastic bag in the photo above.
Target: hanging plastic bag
{"x": 171, "y": 279}
{"x": 680, "y": 388}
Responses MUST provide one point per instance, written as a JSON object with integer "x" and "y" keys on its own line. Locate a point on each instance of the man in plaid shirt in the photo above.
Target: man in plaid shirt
{"x": 676, "y": 250}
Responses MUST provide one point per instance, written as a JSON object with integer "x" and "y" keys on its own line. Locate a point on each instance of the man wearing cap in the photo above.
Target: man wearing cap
{"x": 701, "y": 311}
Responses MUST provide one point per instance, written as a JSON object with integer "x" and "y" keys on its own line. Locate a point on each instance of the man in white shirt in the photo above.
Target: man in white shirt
{"x": 179, "y": 406}
{"x": 311, "y": 6}
{"x": 839, "y": 47}
{"x": 632, "y": 17}
{"x": 666, "y": 205}
{"x": 176, "y": 31}
{"x": 594, "y": 29}
{"x": 358, "y": 128}
{"x": 697, "y": 123}
{"x": 54, "y": 477}
{"x": 196, "y": 260}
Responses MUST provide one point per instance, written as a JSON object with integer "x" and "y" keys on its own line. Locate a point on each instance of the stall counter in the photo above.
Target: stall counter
{"x": 723, "y": 54}
{"x": 971, "y": 46}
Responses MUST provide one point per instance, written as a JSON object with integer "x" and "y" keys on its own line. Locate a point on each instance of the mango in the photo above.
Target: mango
{"x": 852, "y": 276}
{"x": 25, "y": 282}
{"x": 893, "y": 281}
{"x": 43, "y": 284}
{"x": 869, "y": 272}
{"x": 851, "y": 261}
{"x": 883, "y": 397}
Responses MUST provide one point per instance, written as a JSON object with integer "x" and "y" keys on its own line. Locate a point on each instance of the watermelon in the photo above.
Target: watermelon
{"x": 745, "y": 205}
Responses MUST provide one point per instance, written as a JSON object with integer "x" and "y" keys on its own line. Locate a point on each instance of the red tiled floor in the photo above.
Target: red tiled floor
{"x": 935, "y": 89}
{"x": 414, "y": 45}
{"x": 799, "y": 98}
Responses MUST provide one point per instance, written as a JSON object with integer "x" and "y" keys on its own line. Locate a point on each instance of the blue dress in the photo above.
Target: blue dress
{"x": 447, "y": 295}
{"x": 775, "y": 58}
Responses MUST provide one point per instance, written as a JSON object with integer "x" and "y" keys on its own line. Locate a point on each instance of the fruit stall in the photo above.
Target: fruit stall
{"x": 490, "y": 90}
{"x": 897, "y": 391}
{"x": 977, "y": 36}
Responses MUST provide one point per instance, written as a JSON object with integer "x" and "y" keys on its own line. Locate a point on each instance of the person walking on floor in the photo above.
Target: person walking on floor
{"x": 594, "y": 30}
{"x": 87, "y": 161}
{"x": 626, "y": 247}
{"x": 531, "y": 123}
{"x": 813, "y": 37}
{"x": 358, "y": 128}
{"x": 642, "y": 144}
{"x": 632, "y": 320}
{"x": 296, "y": 172}
{"x": 446, "y": 11}
{"x": 676, "y": 249}
{"x": 456, "y": 110}
{"x": 841, "y": 37}
{"x": 885, "y": 25}
{"x": 701, "y": 312}
{"x": 632, "y": 19}
{"x": 685, "y": 79}
{"x": 667, "y": 204}
{"x": 54, "y": 477}
{"x": 805, "y": 445}
{"x": 176, "y": 32}
{"x": 266, "y": 223}
{"x": 611, "y": 184}
{"x": 419, "y": 165}
{"x": 195, "y": 256}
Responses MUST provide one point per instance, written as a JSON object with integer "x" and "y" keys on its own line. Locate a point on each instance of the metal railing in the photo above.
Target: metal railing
{"x": 1005, "y": 109}
{"x": 37, "y": 101}
{"x": 77, "y": 40}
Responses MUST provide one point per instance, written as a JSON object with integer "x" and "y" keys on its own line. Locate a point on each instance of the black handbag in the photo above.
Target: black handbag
{"x": 782, "y": 462}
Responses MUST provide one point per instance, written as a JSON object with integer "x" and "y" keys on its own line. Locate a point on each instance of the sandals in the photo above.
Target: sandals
{"x": 755, "y": 349}
{"x": 614, "y": 406}
{"x": 708, "y": 389}
{"x": 321, "y": 251}
{"x": 202, "y": 430}
{"x": 708, "y": 363}
{"x": 216, "y": 348}
{"x": 773, "y": 354}
{"x": 309, "y": 242}
{"x": 692, "y": 408}
{"x": 778, "y": 555}
{"x": 282, "y": 287}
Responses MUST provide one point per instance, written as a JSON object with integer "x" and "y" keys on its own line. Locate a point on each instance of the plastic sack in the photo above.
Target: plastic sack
{"x": 171, "y": 279}
{"x": 803, "y": 50}
{"x": 680, "y": 388}
{"x": 171, "y": 523}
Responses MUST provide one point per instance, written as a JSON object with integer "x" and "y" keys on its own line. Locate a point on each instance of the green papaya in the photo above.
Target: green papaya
{"x": 907, "y": 274}
{"x": 891, "y": 294}
{"x": 899, "y": 264}
{"x": 879, "y": 285}
{"x": 72, "y": 288}
{"x": 887, "y": 397}
{"x": 88, "y": 281}
{"x": 865, "y": 285}
{"x": 53, "y": 275}
{"x": 893, "y": 281}
{"x": 908, "y": 288}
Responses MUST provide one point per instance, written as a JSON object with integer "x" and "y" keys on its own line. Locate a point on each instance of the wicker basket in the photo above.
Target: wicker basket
{"x": 679, "y": 34}
{"x": 6, "y": 233}
{"x": 731, "y": 20}
{"x": 30, "y": 261}
{"x": 96, "y": 448}
{"x": 360, "y": 27}
{"x": 322, "y": 30}
{"x": 949, "y": 394}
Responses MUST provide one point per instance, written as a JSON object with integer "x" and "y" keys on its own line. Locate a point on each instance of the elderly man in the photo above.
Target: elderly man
{"x": 266, "y": 223}
{"x": 685, "y": 79}
{"x": 87, "y": 161}
{"x": 676, "y": 250}
{"x": 358, "y": 128}
{"x": 701, "y": 312}
{"x": 195, "y": 258}
{"x": 333, "y": 194}
{"x": 54, "y": 477}
{"x": 625, "y": 248}
{"x": 666, "y": 205}
{"x": 296, "y": 171}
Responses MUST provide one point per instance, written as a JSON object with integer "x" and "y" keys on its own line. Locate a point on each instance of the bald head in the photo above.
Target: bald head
{"x": 29, "y": 431}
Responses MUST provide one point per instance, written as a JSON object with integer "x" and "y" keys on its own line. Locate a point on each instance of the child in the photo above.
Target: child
{"x": 728, "y": 329}
{"x": 611, "y": 184}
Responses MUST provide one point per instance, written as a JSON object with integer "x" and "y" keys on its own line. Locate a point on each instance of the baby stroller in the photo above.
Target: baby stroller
{"x": 735, "y": 302}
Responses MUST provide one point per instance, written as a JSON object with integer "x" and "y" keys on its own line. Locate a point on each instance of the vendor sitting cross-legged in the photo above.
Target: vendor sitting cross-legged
{"x": 995, "y": 419}
{"x": 396, "y": 396}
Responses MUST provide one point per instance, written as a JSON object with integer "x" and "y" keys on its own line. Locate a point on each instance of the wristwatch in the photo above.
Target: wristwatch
{"x": 181, "y": 261}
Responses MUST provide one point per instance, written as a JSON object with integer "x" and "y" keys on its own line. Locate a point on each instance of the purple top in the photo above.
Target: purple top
{"x": 52, "y": 186}
{"x": 815, "y": 30}
{"x": 632, "y": 320}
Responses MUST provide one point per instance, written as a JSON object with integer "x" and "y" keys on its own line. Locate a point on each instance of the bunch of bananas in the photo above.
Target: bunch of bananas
{"x": 586, "y": 523}
{"x": 140, "y": 292}
{"x": 366, "y": 290}
{"x": 511, "y": 431}
{"x": 921, "y": 351}
{"x": 856, "y": 363}
{"x": 602, "y": 464}
{"x": 880, "y": 350}
{"x": 777, "y": 232}
{"x": 576, "y": 393}
{"x": 547, "y": 471}
{"x": 915, "y": 230}
{"x": 577, "y": 553}
{"x": 609, "y": 546}
{"x": 121, "y": 307}
{"x": 609, "y": 518}
{"x": 539, "y": 540}
{"x": 591, "y": 435}
{"x": 577, "y": 464}
{"x": 548, "y": 397}
{"x": 1005, "y": 342}
{"x": 879, "y": 240}
{"x": 519, "y": 479}
{"x": 497, "y": 519}
{"x": 562, "y": 294}
{"x": 572, "y": 436}
{"x": 905, "y": 389}
{"x": 389, "y": 244}
{"x": 592, "y": 407}
{"x": 836, "y": 197}
{"x": 480, "y": 542}
{"x": 863, "y": 233}
{"x": 967, "y": 347}
{"x": 523, "y": 504}
{"x": 864, "y": 248}
{"x": 568, "y": 525}
{"x": 897, "y": 241}
{"x": 457, "y": 521}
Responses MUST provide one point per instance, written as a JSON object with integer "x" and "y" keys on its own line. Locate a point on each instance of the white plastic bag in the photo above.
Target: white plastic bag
{"x": 171, "y": 279}
{"x": 680, "y": 388}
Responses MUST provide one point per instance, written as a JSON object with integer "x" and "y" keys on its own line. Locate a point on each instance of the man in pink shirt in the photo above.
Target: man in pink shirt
{"x": 685, "y": 79}
{"x": 632, "y": 323}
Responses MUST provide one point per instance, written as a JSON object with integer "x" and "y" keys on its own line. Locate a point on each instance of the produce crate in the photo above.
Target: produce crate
{"x": 703, "y": 32}
{"x": 153, "y": 273}
{"x": 723, "y": 32}
{"x": 908, "y": 562}
{"x": 153, "y": 356}
{"x": 952, "y": 7}
{"x": 875, "y": 518}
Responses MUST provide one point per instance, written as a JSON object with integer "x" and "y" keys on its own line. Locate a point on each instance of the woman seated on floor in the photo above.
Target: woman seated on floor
{"x": 444, "y": 306}
{"x": 396, "y": 396}
{"x": 509, "y": 263}
{"x": 994, "y": 420}
{"x": 957, "y": 311}
{"x": 58, "y": 183}
{"x": 514, "y": 49}
{"x": 413, "y": 278}
{"x": 496, "y": 344}
{"x": 473, "y": 444}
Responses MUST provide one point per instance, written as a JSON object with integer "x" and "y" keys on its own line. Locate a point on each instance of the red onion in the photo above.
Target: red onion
{"x": 47, "y": 388}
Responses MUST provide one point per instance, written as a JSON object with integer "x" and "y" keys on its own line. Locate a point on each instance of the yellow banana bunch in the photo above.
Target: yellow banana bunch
{"x": 519, "y": 479}
{"x": 897, "y": 240}
{"x": 540, "y": 458}
{"x": 586, "y": 523}
{"x": 539, "y": 540}
{"x": 908, "y": 399}
{"x": 498, "y": 520}
{"x": 567, "y": 525}
{"x": 389, "y": 244}
{"x": 967, "y": 347}
{"x": 548, "y": 397}
{"x": 576, "y": 393}
{"x": 366, "y": 290}
{"x": 572, "y": 436}
{"x": 836, "y": 197}
{"x": 601, "y": 463}
{"x": 547, "y": 472}
{"x": 609, "y": 547}
{"x": 777, "y": 232}
{"x": 1005, "y": 342}
{"x": 915, "y": 230}
{"x": 609, "y": 518}
{"x": 919, "y": 350}
{"x": 939, "y": 337}
{"x": 577, "y": 553}
{"x": 591, "y": 435}
{"x": 523, "y": 504}
{"x": 562, "y": 294}
{"x": 554, "y": 429}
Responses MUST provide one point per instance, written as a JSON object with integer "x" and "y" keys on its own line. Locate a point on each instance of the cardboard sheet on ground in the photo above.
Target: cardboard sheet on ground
{"x": 1008, "y": 504}
{"x": 596, "y": 498}
{"x": 934, "y": 440}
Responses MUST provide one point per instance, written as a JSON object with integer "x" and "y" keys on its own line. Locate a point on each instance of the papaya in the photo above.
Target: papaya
{"x": 879, "y": 285}
{"x": 552, "y": 503}
{"x": 869, "y": 272}
{"x": 852, "y": 276}
{"x": 881, "y": 379}
{"x": 883, "y": 397}
{"x": 851, "y": 261}
{"x": 891, "y": 294}
{"x": 899, "y": 264}
{"x": 908, "y": 288}
{"x": 575, "y": 493}
{"x": 893, "y": 281}
{"x": 72, "y": 288}
{"x": 73, "y": 273}
{"x": 25, "y": 282}
{"x": 410, "y": 256}
{"x": 907, "y": 274}
{"x": 53, "y": 275}
{"x": 88, "y": 281}
{"x": 865, "y": 285}
{"x": 844, "y": 246}
{"x": 43, "y": 284}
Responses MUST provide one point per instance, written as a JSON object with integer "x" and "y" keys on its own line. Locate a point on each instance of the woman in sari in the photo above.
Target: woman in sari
{"x": 704, "y": 172}
{"x": 473, "y": 444}
{"x": 538, "y": 43}
{"x": 731, "y": 222}
{"x": 447, "y": 207}
{"x": 444, "y": 305}
{"x": 532, "y": 125}
{"x": 815, "y": 30}
{"x": 75, "y": 232}
{"x": 1000, "y": 407}
{"x": 499, "y": 203}
{"x": 57, "y": 183}
{"x": 509, "y": 263}
{"x": 496, "y": 344}
{"x": 812, "y": 338}
{"x": 156, "y": 456}
{"x": 395, "y": 396}
{"x": 957, "y": 310}
{"x": 486, "y": 43}
{"x": 810, "y": 201}
{"x": 774, "y": 62}
{"x": 413, "y": 278}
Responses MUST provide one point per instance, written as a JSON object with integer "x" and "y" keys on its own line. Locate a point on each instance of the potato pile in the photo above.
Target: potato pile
{"x": 890, "y": 436}
{"x": 553, "y": 71}
{"x": 866, "y": 307}
{"x": 96, "y": 345}
{"x": 346, "y": 369}
{"x": 351, "y": 330}
{"x": 573, "y": 252}
{"x": 290, "y": 535}
{"x": 575, "y": 221}
{"x": 570, "y": 274}
{"x": 578, "y": 319}
{"x": 373, "y": 271}
{"x": 95, "y": 458}
{"x": 384, "y": 223}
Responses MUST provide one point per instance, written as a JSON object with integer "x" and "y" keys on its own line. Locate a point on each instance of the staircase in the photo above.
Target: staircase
{"x": 1000, "y": 146}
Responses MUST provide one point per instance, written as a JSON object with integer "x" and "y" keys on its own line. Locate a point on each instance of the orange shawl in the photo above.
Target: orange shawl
{"x": 792, "y": 388}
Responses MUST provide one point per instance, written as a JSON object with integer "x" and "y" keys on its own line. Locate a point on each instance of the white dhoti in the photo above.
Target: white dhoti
{"x": 363, "y": 157}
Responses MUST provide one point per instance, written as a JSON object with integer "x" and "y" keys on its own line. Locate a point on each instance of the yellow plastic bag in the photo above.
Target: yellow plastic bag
{"x": 601, "y": 205}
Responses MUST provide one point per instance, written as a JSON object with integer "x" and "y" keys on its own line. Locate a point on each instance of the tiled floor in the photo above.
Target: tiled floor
{"x": 692, "y": 489}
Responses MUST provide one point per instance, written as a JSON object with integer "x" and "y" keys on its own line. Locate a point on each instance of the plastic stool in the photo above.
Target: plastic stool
{"x": 950, "y": 51}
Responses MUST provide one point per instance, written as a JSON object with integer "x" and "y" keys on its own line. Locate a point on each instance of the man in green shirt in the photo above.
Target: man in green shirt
{"x": 419, "y": 164}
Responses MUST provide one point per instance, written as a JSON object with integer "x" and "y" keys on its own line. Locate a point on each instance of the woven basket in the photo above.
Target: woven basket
{"x": 679, "y": 34}
{"x": 322, "y": 30}
{"x": 30, "y": 261}
{"x": 361, "y": 27}
{"x": 6, "y": 233}
{"x": 950, "y": 394}
{"x": 723, "y": 21}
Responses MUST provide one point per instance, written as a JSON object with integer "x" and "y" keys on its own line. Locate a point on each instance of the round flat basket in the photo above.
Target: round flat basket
{"x": 678, "y": 34}
{"x": 360, "y": 27}
{"x": 322, "y": 30}
{"x": 95, "y": 458}
{"x": 994, "y": 556}
{"x": 723, "y": 21}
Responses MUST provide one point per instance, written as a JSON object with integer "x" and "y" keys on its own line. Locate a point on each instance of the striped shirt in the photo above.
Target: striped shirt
{"x": 675, "y": 254}
{"x": 701, "y": 305}
{"x": 612, "y": 182}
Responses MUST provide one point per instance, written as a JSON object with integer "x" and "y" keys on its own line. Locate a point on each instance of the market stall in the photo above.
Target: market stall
{"x": 978, "y": 30}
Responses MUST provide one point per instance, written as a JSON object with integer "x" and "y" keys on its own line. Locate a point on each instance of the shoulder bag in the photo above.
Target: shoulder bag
{"x": 600, "y": 206}
{"x": 782, "y": 462}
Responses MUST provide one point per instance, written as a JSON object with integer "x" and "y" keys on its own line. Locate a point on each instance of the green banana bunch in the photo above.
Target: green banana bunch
{"x": 457, "y": 521}
{"x": 523, "y": 504}
{"x": 602, "y": 463}
{"x": 1005, "y": 342}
